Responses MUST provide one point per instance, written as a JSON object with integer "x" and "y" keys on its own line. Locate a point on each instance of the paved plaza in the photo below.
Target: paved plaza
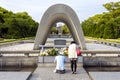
{"x": 29, "y": 46}
{"x": 6, "y": 75}
{"x": 105, "y": 75}
{"x": 46, "y": 73}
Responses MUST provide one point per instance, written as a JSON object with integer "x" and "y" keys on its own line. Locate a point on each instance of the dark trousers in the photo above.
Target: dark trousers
{"x": 73, "y": 65}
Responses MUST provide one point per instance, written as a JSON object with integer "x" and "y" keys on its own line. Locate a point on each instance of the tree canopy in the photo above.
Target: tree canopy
{"x": 16, "y": 25}
{"x": 105, "y": 25}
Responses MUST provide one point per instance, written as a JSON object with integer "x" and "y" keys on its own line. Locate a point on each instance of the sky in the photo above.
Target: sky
{"x": 36, "y": 8}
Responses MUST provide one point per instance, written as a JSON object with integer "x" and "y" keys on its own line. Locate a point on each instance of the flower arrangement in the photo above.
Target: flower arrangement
{"x": 53, "y": 52}
{"x": 49, "y": 52}
{"x": 65, "y": 51}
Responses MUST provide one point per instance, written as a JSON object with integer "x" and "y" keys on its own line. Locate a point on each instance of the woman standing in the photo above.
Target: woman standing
{"x": 72, "y": 55}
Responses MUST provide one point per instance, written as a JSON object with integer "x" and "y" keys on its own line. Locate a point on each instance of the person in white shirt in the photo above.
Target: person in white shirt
{"x": 72, "y": 55}
{"x": 60, "y": 60}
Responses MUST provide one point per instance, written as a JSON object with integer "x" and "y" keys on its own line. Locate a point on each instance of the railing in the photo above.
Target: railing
{"x": 108, "y": 43}
{"x": 21, "y": 58}
{"x": 51, "y": 46}
{"x": 20, "y": 53}
{"x": 16, "y": 60}
{"x": 100, "y": 52}
{"x": 84, "y": 52}
{"x": 55, "y": 46}
{"x": 101, "y": 58}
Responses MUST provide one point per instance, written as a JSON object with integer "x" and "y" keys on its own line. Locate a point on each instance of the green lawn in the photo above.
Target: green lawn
{"x": 105, "y": 40}
{"x": 12, "y": 40}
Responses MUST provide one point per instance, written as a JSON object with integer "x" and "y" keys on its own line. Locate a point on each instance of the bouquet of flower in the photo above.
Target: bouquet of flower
{"x": 49, "y": 52}
{"x": 43, "y": 53}
{"x": 65, "y": 51}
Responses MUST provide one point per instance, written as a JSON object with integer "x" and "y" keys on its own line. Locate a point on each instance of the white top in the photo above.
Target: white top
{"x": 72, "y": 53}
{"x": 60, "y": 62}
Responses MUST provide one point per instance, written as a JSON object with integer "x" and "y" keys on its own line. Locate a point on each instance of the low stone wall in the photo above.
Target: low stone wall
{"x": 18, "y": 62}
{"x": 108, "y": 43}
{"x": 50, "y": 59}
{"x": 58, "y": 36}
{"x": 11, "y": 43}
{"x": 101, "y": 61}
{"x": 16, "y": 42}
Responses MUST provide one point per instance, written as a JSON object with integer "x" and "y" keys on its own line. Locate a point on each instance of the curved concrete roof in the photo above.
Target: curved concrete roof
{"x": 59, "y": 13}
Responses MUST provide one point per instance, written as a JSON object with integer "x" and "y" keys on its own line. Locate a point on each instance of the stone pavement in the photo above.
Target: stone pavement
{"x": 46, "y": 73}
{"x": 14, "y": 75}
{"x": 105, "y": 75}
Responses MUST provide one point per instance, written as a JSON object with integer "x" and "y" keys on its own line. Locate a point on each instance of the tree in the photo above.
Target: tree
{"x": 112, "y": 6}
{"x": 53, "y": 30}
{"x": 105, "y": 25}
{"x": 65, "y": 29}
{"x": 16, "y": 25}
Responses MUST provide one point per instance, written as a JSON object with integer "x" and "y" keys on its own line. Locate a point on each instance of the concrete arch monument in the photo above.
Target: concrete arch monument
{"x": 59, "y": 13}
